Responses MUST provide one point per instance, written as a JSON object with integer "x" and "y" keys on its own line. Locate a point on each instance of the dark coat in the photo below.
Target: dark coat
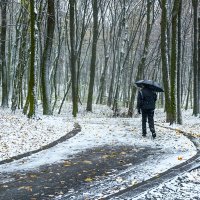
{"x": 146, "y": 99}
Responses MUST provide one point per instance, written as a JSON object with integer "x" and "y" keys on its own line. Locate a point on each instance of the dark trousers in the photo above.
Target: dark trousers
{"x": 148, "y": 114}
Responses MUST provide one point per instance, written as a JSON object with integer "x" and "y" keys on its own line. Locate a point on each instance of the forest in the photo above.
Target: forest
{"x": 93, "y": 51}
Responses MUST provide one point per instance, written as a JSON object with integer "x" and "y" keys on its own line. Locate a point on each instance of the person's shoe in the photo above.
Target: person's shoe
{"x": 144, "y": 134}
{"x": 154, "y": 135}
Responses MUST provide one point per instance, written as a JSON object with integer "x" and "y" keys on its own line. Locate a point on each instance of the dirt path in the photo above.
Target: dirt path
{"x": 73, "y": 176}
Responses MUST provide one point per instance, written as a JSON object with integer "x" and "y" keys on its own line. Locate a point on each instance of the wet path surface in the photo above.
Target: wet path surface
{"x": 134, "y": 191}
{"x": 73, "y": 176}
{"x": 190, "y": 166}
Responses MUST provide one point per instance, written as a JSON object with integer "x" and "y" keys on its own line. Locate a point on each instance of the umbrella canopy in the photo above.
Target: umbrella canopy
{"x": 153, "y": 85}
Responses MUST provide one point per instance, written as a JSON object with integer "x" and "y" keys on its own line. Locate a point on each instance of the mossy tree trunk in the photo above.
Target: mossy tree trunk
{"x": 46, "y": 59}
{"x": 94, "y": 52}
{"x": 31, "y": 97}
{"x": 3, "y": 67}
{"x": 164, "y": 57}
{"x": 179, "y": 114}
{"x": 173, "y": 74}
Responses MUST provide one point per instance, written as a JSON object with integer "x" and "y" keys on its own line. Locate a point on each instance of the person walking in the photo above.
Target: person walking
{"x": 146, "y": 101}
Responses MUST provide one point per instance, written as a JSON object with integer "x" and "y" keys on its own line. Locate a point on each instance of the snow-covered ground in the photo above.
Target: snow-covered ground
{"x": 19, "y": 135}
{"x": 186, "y": 186}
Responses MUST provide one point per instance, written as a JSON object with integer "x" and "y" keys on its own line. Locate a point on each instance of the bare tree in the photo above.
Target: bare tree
{"x": 46, "y": 59}
{"x": 179, "y": 114}
{"x": 106, "y": 53}
{"x": 173, "y": 63}
{"x": 17, "y": 90}
{"x": 31, "y": 98}
{"x": 164, "y": 57}
{"x": 93, "y": 57}
{"x": 73, "y": 66}
{"x": 195, "y": 58}
{"x": 3, "y": 67}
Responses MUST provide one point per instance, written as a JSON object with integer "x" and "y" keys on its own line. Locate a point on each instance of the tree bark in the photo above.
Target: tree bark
{"x": 93, "y": 58}
{"x": 198, "y": 86}
{"x": 195, "y": 59}
{"x": 179, "y": 114}
{"x": 32, "y": 83}
{"x": 173, "y": 74}
{"x": 73, "y": 59}
{"x": 3, "y": 66}
{"x": 46, "y": 59}
{"x": 164, "y": 57}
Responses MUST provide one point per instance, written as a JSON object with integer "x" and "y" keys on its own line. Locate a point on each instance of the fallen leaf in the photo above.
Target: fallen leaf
{"x": 28, "y": 188}
{"x": 87, "y": 162}
{"x": 88, "y": 179}
{"x": 180, "y": 158}
{"x": 67, "y": 163}
{"x": 33, "y": 176}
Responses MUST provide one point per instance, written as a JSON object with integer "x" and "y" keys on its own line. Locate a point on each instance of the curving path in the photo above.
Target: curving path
{"x": 112, "y": 168}
{"x": 165, "y": 180}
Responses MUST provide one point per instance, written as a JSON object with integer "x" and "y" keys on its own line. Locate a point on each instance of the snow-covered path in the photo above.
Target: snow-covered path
{"x": 96, "y": 132}
{"x": 107, "y": 131}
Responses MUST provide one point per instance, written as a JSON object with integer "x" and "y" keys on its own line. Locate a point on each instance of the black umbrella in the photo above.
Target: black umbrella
{"x": 153, "y": 85}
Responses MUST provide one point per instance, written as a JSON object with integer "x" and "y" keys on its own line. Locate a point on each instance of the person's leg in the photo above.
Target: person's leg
{"x": 144, "y": 120}
{"x": 151, "y": 122}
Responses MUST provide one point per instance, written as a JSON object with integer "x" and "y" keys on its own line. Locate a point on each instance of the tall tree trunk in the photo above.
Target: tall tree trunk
{"x": 164, "y": 57}
{"x": 93, "y": 58}
{"x": 198, "y": 95}
{"x": 179, "y": 114}
{"x": 46, "y": 59}
{"x": 195, "y": 62}
{"x": 73, "y": 59}
{"x": 31, "y": 98}
{"x": 3, "y": 66}
{"x": 32, "y": 84}
{"x": 120, "y": 57}
{"x": 173, "y": 68}
{"x": 115, "y": 47}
